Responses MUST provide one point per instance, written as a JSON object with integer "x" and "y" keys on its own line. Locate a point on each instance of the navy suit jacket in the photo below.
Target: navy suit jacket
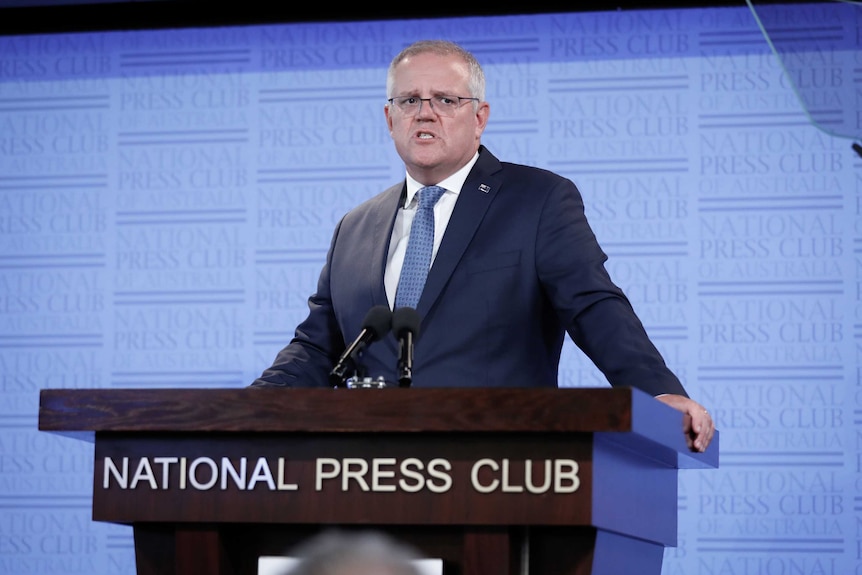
{"x": 518, "y": 267}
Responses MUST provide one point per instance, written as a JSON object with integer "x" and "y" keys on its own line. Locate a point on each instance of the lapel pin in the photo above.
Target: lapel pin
{"x": 485, "y": 188}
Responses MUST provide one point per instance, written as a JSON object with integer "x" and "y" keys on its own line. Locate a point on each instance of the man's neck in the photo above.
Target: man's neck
{"x": 433, "y": 178}
{"x": 452, "y": 182}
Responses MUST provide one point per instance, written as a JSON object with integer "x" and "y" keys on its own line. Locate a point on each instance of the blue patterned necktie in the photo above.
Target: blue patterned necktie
{"x": 420, "y": 245}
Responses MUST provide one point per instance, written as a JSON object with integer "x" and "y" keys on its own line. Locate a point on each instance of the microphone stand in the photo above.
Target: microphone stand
{"x": 405, "y": 364}
{"x": 360, "y": 378}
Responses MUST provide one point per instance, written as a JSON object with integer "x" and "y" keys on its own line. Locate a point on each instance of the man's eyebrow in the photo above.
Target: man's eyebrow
{"x": 415, "y": 94}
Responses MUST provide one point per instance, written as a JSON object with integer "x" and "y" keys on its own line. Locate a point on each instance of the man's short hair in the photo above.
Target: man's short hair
{"x": 441, "y": 48}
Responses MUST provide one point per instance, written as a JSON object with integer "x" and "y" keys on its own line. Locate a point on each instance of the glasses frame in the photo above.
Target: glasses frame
{"x": 461, "y": 100}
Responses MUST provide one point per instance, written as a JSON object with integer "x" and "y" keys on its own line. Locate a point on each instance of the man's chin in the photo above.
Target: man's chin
{"x": 425, "y": 161}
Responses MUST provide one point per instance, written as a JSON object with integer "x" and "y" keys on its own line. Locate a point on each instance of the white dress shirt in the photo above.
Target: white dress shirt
{"x": 404, "y": 219}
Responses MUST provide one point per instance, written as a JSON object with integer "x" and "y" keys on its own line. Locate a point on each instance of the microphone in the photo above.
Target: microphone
{"x": 376, "y": 324}
{"x": 405, "y": 324}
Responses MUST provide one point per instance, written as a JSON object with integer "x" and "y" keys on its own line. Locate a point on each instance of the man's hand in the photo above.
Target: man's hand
{"x": 696, "y": 424}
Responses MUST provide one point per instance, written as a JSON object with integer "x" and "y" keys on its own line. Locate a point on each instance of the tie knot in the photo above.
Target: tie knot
{"x": 429, "y": 195}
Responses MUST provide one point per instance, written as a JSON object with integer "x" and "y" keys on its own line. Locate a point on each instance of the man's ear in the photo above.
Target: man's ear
{"x": 388, "y": 117}
{"x": 483, "y": 112}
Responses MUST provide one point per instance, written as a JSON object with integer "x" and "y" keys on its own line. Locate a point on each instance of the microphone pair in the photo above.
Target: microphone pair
{"x": 379, "y": 320}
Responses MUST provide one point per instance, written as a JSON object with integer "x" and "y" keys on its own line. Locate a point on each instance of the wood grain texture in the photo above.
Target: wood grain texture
{"x": 335, "y": 410}
{"x": 629, "y": 415}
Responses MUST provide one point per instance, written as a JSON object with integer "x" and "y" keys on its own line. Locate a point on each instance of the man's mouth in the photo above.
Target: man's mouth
{"x": 425, "y": 136}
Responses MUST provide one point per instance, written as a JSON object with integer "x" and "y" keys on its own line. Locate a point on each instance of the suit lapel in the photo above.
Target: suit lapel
{"x": 390, "y": 202}
{"x": 477, "y": 194}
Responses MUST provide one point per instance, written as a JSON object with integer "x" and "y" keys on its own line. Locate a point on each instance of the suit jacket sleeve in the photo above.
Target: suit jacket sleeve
{"x": 307, "y": 360}
{"x": 595, "y": 312}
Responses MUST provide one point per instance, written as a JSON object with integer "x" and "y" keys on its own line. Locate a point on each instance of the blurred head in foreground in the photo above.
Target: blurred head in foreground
{"x": 361, "y": 553}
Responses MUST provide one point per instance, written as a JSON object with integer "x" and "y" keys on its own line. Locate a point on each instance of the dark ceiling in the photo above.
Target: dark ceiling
{"x": 40, "y": 16}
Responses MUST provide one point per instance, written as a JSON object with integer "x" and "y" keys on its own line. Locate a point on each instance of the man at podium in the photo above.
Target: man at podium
{"x": 497, "y": 259}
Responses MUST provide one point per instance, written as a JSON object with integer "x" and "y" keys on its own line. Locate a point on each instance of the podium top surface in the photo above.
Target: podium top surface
{"x": 612, "y": 412}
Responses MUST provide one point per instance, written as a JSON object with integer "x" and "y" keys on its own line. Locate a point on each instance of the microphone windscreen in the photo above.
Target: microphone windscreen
{"x": 378, "y": 321}
{"x": 406, "y": 319}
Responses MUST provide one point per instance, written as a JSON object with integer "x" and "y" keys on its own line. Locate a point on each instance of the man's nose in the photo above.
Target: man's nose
{"x": 426, "y": 110}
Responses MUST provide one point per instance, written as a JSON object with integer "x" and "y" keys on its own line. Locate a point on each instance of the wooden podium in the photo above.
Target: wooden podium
{"x": 494, "y": 481}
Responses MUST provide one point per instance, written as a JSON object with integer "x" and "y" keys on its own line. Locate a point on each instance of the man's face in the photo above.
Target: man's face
{"x": 434, "y": 147}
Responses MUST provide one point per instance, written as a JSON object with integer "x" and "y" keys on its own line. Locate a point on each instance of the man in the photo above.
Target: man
{"x": 515, "y": 263}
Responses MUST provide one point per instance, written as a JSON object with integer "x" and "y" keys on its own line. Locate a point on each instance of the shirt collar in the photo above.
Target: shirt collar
{"x": 453, "y": 183}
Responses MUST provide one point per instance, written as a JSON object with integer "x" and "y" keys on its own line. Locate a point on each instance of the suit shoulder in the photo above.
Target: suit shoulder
{"x": 374, "y": 203}
{"x": 533, "y": 175}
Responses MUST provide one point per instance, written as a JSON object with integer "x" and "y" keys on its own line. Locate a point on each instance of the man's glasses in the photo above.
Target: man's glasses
{"x": 442, "y": 105}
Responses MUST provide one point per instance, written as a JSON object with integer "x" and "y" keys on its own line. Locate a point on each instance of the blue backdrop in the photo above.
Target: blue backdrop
{"x": 167, "y": 197}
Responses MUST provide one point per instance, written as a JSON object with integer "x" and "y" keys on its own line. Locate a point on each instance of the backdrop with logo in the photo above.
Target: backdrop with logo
{"x": 167, "y": 198}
